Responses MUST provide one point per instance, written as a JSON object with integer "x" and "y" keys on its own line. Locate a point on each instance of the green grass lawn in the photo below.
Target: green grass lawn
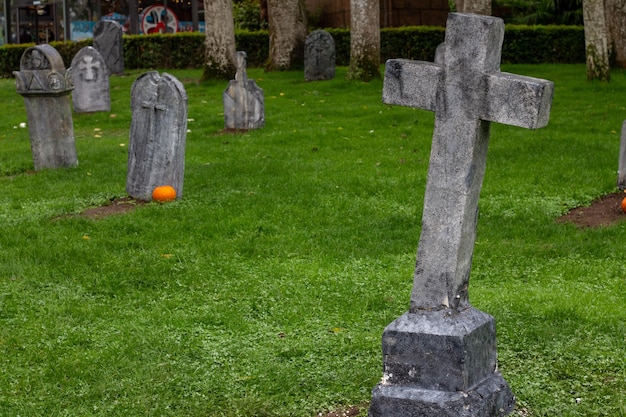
{"x": 265, "y": 291}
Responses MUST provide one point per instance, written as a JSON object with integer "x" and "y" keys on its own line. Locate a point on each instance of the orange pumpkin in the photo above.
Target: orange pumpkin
{"x": 624, "y": 205}
{"x": 164, "y": 193}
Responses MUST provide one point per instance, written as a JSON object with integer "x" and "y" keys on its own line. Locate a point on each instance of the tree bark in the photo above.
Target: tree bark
{"x": 219, "y": 40}
{"x": 288, "y": 31}
{"x": 615, "y": 13}
{"x": 596, "y": 44}
{"x": 474, "y": 6}
{"x": 364, "y": 40}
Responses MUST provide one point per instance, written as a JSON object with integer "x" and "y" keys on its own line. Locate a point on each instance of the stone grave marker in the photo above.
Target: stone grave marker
{"x": 621, "y": 170}
{"x": 244, "y": 106}
{"x": 107, "y": 39}
{"x": 319, "y": 56}
{"x": 158, "y": 130}
{"x": 439, "y": 358}
{"x": 90, "y": 76}
{"x": 46, "y": 85}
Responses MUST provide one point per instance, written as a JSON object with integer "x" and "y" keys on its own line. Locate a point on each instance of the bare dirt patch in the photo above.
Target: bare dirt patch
{"x": 118, "y": 205}
{"x": 604, "y": 211}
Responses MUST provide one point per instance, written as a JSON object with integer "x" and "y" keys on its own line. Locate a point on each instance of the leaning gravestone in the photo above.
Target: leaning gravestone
{"x": 621, "y": 170}
{"x": 90, "y": 76}
{"x": 244, "y": 106}
{"x": 46, "y": 85}
{"x": 157, "y": 135}
{"x": 319, "y": 56}
{"x": 439, "y": 358}
{"x": 107, "y": 39}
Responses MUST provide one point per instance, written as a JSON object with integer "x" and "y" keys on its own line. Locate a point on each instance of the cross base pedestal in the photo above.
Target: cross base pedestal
{"x": 491, "y": 398}
{"x": 441, "y": 363}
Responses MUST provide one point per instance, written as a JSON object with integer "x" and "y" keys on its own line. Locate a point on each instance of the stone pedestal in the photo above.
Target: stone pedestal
{"x": 46, "y": 85}
{"x": 441, "y": 364}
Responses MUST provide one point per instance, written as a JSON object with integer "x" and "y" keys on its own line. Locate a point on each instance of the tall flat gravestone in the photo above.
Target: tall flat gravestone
{"x": 46, "y": 85}
{"x": 158, "y": 132}
{"x": 90, "y": 76}
{"x": 621, "y": 170}
{"x": 244, "y": 104}
{"x": 107, "y": 39}
{"x": 439, "y": 358}
{"x": 319, "y": 56}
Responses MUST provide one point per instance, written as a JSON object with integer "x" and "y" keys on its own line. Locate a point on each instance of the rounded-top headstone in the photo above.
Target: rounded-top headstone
{"x": 42, "y": 72}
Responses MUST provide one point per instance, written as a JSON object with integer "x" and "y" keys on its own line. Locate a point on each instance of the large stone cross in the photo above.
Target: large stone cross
{"x": 440, "y": 358}
{"x": 466, "y": 91}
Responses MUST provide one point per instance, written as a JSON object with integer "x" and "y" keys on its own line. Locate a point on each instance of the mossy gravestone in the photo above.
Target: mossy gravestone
{"x": 158, "y": 130}
{"x": 439, "y": 359}
{"x": 46, "y": 86}
{"x": 319, "y": 56}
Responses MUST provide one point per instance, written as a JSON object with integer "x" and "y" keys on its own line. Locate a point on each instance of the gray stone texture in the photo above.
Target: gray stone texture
{"x": 467, "y": 92}
{"x": 107, "y": 39}
{"x": 319, "y": 56}
{"x": 90, "y": 76}
{"x": 440, "y": 358}
{"x": 621, "y": 170}
{"x": 158, "y": 133}
{"x": 46, "y": 85}
{"x": 244, "y": 102}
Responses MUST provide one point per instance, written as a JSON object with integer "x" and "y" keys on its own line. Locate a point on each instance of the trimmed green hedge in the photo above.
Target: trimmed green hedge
{"x": 522, "y": 44}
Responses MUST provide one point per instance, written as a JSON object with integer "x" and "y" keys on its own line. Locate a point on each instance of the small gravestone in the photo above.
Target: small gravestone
{"x": 90, "y": 76}
{"x": 244, "y": 106}
{"x": 319, "y": 56}
{"x": 46, "y": 86}
{"x": 439, "y": 358}
{"x": 621, "y": 170}
{"x": 157, "y": 135}
{"x": 107, "y": 39}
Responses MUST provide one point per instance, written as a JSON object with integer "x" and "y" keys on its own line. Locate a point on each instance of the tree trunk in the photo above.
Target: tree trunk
{"x": 219, "y": 40}
{"x": 615, "y": 13}
{"x": 474, "y": 6}
{"x": 364, "y": 40}
{"x": 596, "y": 44}
{"x": 288, "y": 31}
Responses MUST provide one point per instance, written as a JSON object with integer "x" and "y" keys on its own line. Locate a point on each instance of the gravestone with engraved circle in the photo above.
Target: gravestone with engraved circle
{"x": 319, "y": 56}
{"x": 90, "y": 76}
{"x": 107, "y": 39}
{"x": 158, "y": 131}
{"x": 46, "y": 85}
{"x": 439, "y": 358}
{"x": 244, "y": 103}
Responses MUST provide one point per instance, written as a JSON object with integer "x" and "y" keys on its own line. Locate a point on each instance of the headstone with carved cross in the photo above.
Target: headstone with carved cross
{"x": 319, "y": 56}
{"x": 91, "y": 81}
{"x": 107, "y": 39}
{"x": 439, "y": 359}
{"x": 158, "y": 130}
{"x": 46, "y": 86}
{"x": 244, "y": 106}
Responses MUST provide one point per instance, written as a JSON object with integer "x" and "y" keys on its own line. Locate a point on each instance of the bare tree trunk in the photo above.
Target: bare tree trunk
{"x": 474, "y": 6}
{"x": 596, "y": 44}
{"x": 288, "y": 31}
{"x": 478, "y": 7}
{"x": 364, "y": 40}
{"x": 219, "y": 40}
{"x": 615, "y": 13}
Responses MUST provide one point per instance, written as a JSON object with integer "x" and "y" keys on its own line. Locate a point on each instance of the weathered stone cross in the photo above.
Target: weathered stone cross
{"x": 439, "y": 358}
{"x": 87, "y": 64}
{"x": 467, "y": 92}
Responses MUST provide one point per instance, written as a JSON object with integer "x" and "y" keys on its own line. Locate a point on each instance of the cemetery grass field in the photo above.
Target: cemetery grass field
{"x": 265, "y": 290}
